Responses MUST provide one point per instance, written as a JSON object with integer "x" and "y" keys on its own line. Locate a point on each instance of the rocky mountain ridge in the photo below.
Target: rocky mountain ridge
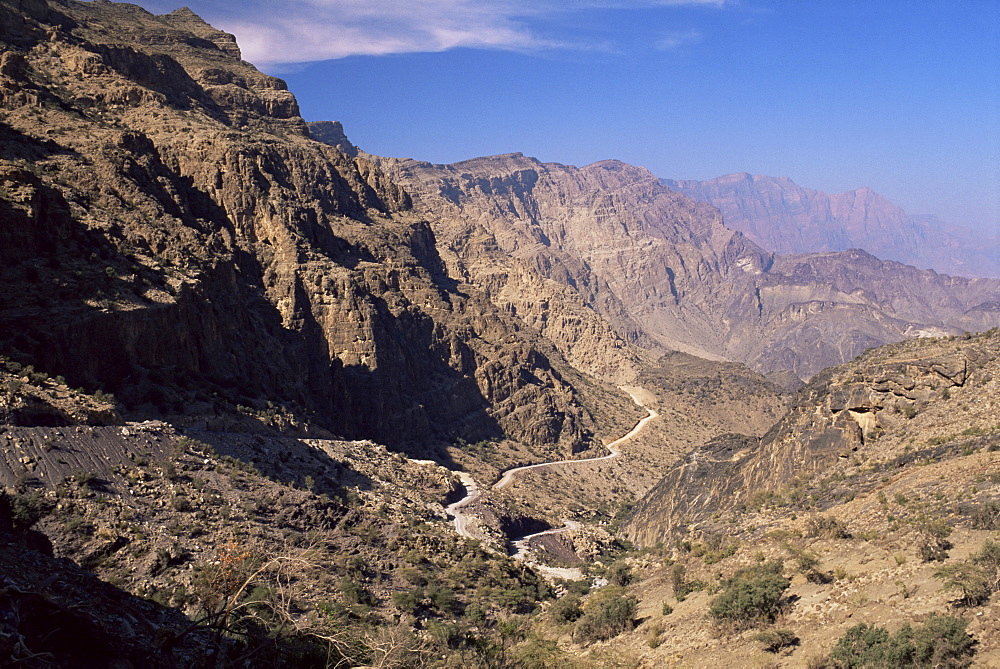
{"x": 844, "y": 416}
{"x": 163, "y": 200}
{"x": 786, "y": 218}
{"x": 663, "y": 272}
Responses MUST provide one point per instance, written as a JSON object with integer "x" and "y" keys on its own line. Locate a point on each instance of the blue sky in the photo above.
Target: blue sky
{"x": 901, "y": 96}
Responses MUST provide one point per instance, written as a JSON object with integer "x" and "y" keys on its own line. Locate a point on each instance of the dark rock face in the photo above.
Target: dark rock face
{"x": 170, "y": 233}
{"x": 606, "y": 252}
{"x": 332, "y": 133}
{"x": 786, "y": 218}
{"x": 55, "y": 610}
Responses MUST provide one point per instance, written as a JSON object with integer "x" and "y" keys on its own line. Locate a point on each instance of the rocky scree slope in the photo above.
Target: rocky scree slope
{"x": 170, "y": 233}
{"x": 784, "y": 217}
{"x": 631, "y": 258}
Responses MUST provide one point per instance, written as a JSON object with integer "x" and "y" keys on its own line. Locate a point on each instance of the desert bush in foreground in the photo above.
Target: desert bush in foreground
{"x": 976, "y": 578}
{"x": 608, "y": 613}
{"x": 751, "y": 597}
{"x": 941, "y": 642}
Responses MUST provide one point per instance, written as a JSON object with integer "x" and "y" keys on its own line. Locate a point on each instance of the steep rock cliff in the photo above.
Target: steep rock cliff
{"x": 171, "y": 233}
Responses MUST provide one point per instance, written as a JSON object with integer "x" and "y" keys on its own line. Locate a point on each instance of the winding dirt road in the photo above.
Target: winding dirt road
{"x": 473, "y": 491}
{"x": 508, "y": 476}
{"x": 522, "y": 549}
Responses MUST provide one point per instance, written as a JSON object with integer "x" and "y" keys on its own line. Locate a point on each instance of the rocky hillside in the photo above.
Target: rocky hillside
{"x": 170, "y": 233}
{"x": 135, "y": 542}
{"x": 872, "y": 502}
{"x": 891, "y": 407}
{"x": 631, "y": 259}
{"x": 784, "y": 217}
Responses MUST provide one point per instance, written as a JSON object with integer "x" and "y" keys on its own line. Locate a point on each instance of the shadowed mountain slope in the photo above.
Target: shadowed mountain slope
{"x": 171, "y": 233}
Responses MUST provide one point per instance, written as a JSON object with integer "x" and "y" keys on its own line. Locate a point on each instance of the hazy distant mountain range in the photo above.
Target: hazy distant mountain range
{"x": 784, "y": 217}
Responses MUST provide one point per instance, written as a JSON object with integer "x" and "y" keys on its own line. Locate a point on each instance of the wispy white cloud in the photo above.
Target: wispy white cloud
{"x": 678, "y": 38}
{"x": 275, "y": 32}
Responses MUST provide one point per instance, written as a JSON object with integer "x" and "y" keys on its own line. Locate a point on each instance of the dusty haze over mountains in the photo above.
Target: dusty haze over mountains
{"x": 786, "y": 218}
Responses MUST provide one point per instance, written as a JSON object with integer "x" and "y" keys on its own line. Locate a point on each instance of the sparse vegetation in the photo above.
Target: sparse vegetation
{"x": 682, "y": 586}
{"x": 976, "y": 578}
{"x": 826, "y": 527}
{"x": 654, "y": 637}
{"x": 773, "y": 641}
{"x": 566, "y": 609}
{"x": 934, "y": 533}
{"x": 608, "y": 613}
{"x": 941, "y": 642}
{"x": 344, "y": 321}
{"x": 986, "y": 516}
{"x": 751, "y": 597}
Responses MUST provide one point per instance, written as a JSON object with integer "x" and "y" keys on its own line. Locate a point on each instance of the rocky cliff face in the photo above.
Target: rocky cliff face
{"x": 785, "y": 218}
{"x": 170, "y": 232}
{"x": 847, "y": 416}
{"x": 650, "y": 268}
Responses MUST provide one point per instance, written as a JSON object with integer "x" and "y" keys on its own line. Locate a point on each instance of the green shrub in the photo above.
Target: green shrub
{"x": 941, "y": 642}
{"x": 566, "y": 609}
{"x": 608, "y": 613}
{"x": 85, "y": 479}
{"x": 355, "y": 593}
{"x": 25, "y": 509}
{"x": 866, "y": 646}
{"x": 444, "y": 599}
{"x": 774, "y": 640}
{"x": 751, "y": 597}
{"x": 807, "y": 562}
{"x": 620, "y": 574}
{"x": 408, "y": 602}
{"x": 683, "y": 587}
{"x": 976, "y": 578}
